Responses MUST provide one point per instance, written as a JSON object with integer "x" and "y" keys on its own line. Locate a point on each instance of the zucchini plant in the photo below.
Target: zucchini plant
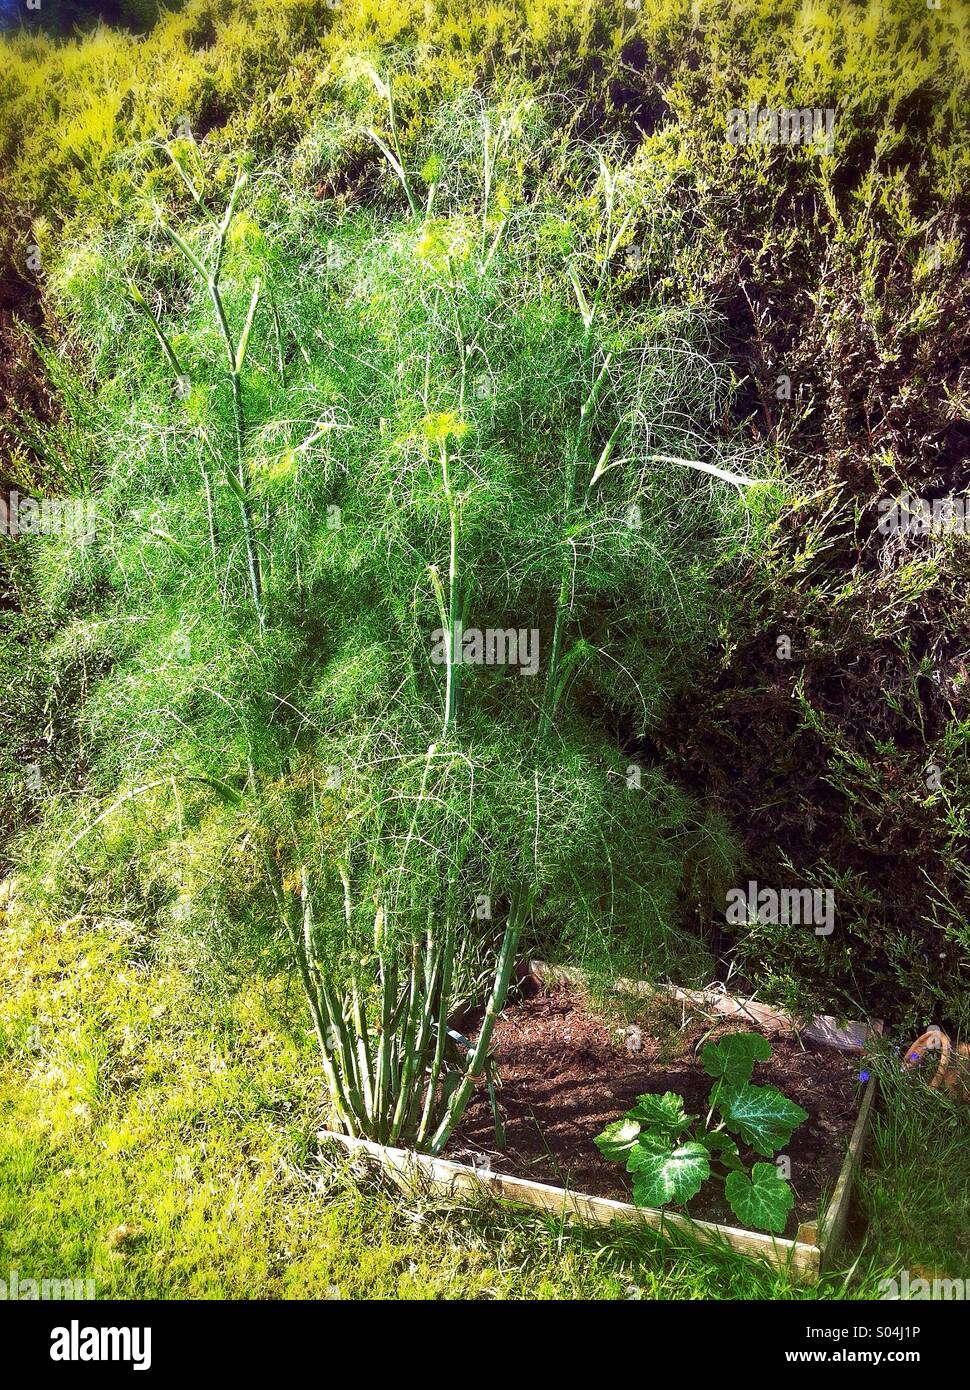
{"x": 671, "y": 1154}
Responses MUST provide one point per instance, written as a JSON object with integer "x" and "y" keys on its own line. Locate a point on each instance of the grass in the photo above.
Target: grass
{"x": 160, "y": 1139}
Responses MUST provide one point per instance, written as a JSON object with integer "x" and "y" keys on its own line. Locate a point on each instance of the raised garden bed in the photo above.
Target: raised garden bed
{"x": 567, "y": 1072}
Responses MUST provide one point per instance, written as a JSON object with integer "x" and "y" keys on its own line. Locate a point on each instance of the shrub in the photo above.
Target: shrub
{"x": 326, "y": 449}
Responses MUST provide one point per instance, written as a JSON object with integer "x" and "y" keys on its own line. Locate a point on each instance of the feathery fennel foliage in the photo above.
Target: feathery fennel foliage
{"x": 326, "y": 440}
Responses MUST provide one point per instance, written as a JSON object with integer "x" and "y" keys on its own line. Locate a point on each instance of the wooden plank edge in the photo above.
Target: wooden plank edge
{"x": 832, "y": 1223}
{"x": 406, "y": 1167}
{"x": 822, "y": 1028}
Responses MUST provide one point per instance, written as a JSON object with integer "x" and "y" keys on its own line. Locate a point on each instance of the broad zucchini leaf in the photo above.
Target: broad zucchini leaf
{"x": 761, "y": 1115}
{"x": 617, "y": 1139}
{"x": 664, "y": 1173}
{"x": 763, "y": 1200}
{"x": 734, "y": 1056}
{"x": 664, "y": 1112}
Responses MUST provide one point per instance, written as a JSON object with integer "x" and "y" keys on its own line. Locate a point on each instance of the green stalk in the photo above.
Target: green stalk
{"x": 447, "y": 970}
{"x": 338, "y": 1027}
{"x": 587, "y": 410}
{"x": 402, "y": 1088}
{"x": 333, "y": 1017}
{"x": 393, "y": 156}
{"x": 236, "y": 355}
{"x": 365, "y": 1062}
{"x": 432, "y": 969}
{"x": 588, "y": 312}
{"x": 181, "y": 376}
{"x": 320, "y": 1023}
{"x": 239, "y": 423}
{"x": 506, "y": 960}
{"x": 140, "y": 301}
{"x": 383, "y": 1069}
{"x": 453, "y": 657}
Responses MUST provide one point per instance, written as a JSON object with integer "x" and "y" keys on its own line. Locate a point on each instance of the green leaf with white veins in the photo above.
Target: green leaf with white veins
{"x": 763, "y": 1200}
{"x": 734, "y": 1056}
{"x": 618, "y": 1139}
{"x": 761, "y": 1115}
{"x": 664, "y": 1112}
{"x": 663, "y": 1173}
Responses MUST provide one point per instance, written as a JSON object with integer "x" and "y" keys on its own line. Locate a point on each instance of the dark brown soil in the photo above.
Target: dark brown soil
{"x": 566, "y": 1073}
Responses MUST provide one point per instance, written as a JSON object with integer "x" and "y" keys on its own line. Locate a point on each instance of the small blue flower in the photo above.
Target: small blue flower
{"x": 863, "y": 1076}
